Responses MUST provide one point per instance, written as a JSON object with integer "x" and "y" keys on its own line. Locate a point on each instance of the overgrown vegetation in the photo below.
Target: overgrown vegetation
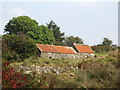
{"x": 99, "y": 72}
{"x": 12, "y": 79}
{"x": 17, "y": 47}
{"x": 103, "y": 49}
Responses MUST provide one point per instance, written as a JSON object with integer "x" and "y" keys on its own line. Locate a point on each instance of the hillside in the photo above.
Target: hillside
{"x": 98, "y": 72}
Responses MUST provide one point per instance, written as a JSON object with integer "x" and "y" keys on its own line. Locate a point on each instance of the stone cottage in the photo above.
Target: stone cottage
{"x": 64, "y": 52}
{"x": 84, "y": 49}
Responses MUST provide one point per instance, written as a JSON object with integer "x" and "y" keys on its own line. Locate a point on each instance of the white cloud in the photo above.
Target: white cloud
{"x": 16, "y": 12}
{"x": 9, "y": 13}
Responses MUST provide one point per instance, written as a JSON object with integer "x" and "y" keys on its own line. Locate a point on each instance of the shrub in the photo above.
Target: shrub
{"x": 18, "y": 47}
{"x": 12, "y": 79}
{"x": 96, "y": 74}
{"x": 115, "y": 55}
{"x": 42, "y": 80}
{"x": 102, "y": 48}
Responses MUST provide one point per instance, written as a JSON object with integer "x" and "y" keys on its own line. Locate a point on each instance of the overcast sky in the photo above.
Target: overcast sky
{"x": 90, "y": 21}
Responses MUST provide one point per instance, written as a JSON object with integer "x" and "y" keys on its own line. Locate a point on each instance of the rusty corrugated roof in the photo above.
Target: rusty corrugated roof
{"x": 57, "y": 49}
{"x": 46, "y": 48}
{"x": 64, "y": 49}
{"x": 83, "y": 48}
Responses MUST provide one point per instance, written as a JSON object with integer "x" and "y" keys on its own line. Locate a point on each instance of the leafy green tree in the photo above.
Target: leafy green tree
{"x": 59, "y": 37}
{"x": 21, "y": 24}
{"x": 17, "y": 47}
{"x": 43, "y": 35}
{"x": 30, "y": 27}
{"x": 106, "y": 42}
{"x": 71, "y": 39}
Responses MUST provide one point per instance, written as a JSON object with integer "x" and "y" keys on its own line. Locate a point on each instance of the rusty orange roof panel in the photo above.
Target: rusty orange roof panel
{"x": 64, "y": 49}
{"x": 57, "y": 49}
{"x": 83, "y": 48}
{"x": 46, "y": 48}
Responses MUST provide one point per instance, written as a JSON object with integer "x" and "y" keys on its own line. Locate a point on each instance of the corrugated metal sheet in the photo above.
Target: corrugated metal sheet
{"x": 57, "y": 49}
{"x": 83, "y": 48}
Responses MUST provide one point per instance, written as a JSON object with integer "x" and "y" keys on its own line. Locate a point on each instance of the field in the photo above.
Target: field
{"x": 102, "y": 71}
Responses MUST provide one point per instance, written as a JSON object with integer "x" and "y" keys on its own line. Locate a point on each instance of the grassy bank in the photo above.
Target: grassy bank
{"x": 98, "y": 72}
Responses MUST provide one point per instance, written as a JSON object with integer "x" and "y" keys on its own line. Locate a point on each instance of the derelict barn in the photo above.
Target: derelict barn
{"x": 64, "y": 52}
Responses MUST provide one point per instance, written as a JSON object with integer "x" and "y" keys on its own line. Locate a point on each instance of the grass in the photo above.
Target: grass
{"x": 48, "y": 62}
{"x": 99, "y": 72}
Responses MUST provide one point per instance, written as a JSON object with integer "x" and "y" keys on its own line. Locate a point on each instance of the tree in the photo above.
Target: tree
{"x": 21, "y": 24}
{"x": 30, "y": 27}
{"x": 43, "y": 35}
{"x": 18, "y": 47}
{"x": 106, "y": 42}
{"x": 59, "y": 37}
{"x": 71, "y": 39}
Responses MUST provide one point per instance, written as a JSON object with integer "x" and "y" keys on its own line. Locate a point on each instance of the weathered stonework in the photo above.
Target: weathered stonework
{"x": 66, "y": 56}
{"x": 64, "y": 52}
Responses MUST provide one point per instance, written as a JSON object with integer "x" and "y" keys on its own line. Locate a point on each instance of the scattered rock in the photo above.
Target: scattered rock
{"x": 76, "y": 68}
{"x": 71, "y": 74}
{"x": 45, "y": 69}
{"x": 27, "y": 72}
{"x": 33, "y": 65}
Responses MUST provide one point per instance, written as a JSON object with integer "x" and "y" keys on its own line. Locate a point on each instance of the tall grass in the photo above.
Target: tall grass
{"x": 98, "y": 72}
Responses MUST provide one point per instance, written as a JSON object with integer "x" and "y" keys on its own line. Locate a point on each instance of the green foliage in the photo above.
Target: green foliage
{"x": 21, "y": 24}
{"x": 43, "y": 35}
{"x": 98, "y": 75}
{"x": 106, "y": 42}
{"x": 115, "y": 55}
{"x": 102, "y": 48}
{"x": 98, "y": 72}
{"x": 17, "y": 47}
{"x": 30, "y": 27}
{"x": 59, "y": 37}
{"x": 71, "y": 39}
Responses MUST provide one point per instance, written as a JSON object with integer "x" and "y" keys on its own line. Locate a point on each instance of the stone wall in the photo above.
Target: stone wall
{"x": 66, "y": 56}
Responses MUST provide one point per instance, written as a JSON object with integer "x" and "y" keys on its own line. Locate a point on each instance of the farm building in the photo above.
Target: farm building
{"x": 84, "y": 49}
{"x": 65, "y": 52}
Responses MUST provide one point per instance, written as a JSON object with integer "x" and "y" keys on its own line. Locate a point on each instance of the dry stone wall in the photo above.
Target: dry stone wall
{"x": 45, "y": 69}
{"x": 66, "y": 56}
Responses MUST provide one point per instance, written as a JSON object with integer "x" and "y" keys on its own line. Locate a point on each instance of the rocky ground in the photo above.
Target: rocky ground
{"x": 45, "y": 69}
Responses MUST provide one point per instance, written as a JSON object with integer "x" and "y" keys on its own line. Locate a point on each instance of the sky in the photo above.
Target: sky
{"x": 91, "y": 21}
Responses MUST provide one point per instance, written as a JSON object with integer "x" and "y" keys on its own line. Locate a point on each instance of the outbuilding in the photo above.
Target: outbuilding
{"x": 65, "y": 52}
